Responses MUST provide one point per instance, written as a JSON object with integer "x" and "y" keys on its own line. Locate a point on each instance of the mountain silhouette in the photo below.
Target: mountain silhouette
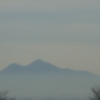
{"x": 13, "y": 68}
{"x": 41, "y": 78}
{"x": 40, "y": 66}
{"x": 34, "y": 67}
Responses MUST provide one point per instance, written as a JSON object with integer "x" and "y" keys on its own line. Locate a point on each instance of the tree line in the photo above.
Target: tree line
{"x": 95, "y": 94}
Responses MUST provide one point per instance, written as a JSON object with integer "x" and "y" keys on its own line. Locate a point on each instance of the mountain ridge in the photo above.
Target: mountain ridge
{"x": 39, "y": 66}
{"x": 47, "y": 80}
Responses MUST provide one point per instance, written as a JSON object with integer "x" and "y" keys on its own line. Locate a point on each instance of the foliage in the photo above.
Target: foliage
{"x": 3, "y": 96}
{"x": 96, "y": 93}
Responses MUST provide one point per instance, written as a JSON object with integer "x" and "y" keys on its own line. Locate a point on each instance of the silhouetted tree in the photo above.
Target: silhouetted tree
{"x": 96, "y": 93}
{"x": 3, "y": 96}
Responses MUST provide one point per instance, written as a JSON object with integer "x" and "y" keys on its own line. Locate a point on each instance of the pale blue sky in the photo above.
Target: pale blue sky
{"x": 65, "y": 33}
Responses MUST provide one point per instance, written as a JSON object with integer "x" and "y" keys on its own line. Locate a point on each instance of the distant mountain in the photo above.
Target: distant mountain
{"x": 42, "y": 79}
{"x": 35, "y": 67}
{"x": 13, "y": 68}
{"x": 40, "y": 66}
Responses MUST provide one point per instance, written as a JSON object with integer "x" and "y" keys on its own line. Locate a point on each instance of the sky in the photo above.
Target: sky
{"x": 65, "y": 33}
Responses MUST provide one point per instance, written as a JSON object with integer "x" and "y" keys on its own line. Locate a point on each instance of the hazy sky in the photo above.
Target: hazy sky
{"x": 65, "y": 33}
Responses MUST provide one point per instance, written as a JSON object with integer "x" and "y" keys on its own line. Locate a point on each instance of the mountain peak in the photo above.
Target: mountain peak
{"x": 13, "y": 68}
{"x": 13, "y": 65}
{"x": 40, "y": 65}
{"x": 38, "y": 61}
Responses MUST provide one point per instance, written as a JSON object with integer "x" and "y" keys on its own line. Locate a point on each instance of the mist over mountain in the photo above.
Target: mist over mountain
{"x": 42, "y": 79}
